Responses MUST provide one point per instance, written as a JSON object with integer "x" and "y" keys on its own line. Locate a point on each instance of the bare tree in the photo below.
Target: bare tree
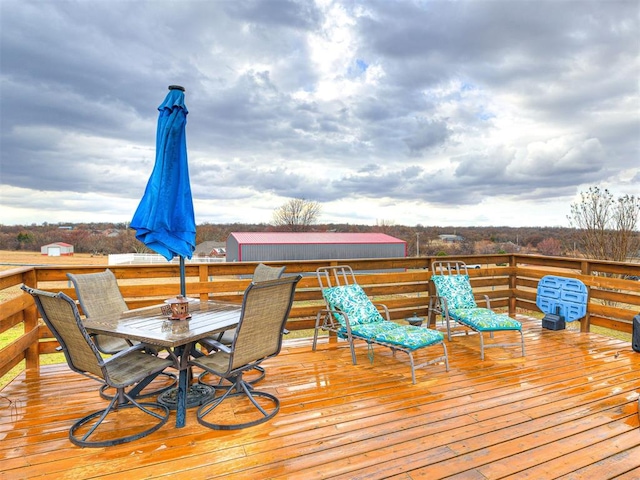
{"x": 297, "y": 214}
{"x": 607, "y": 227}
{"x": 550, "y": 246}
{"x": 384, "y": 226}
{"x": 484, "y": 247}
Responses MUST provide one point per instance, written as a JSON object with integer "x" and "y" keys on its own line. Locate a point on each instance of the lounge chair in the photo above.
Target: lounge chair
{"x": 351, "y": 315}
{"x": 455, "y": 302}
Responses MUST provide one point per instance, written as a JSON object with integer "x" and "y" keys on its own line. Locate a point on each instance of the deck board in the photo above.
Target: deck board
{"x": 566, "y": 410}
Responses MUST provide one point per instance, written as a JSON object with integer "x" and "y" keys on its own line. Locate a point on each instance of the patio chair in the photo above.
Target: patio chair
{"x": 265, "y": 309}
{"x": 99, "y": 296}
{"x": 262, "y": 273}
{"x": 351, "y": 315}
{"x": 455, "y": 301}
{"x": 119, "y": 371}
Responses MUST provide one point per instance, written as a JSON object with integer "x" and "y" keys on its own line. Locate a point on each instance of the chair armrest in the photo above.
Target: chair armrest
{"x": 327, "y": 311}
{"x": 434, "y": 304}
{"x": 438, "y": 304}
{"x": 486, "y": 299}
{"x": 330, "y": 313}
{"x": 212, "y": 344}
{"x": 122, "y": 353}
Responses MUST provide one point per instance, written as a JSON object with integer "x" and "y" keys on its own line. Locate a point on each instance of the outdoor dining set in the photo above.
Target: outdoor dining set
{"x": 126, "y": 350}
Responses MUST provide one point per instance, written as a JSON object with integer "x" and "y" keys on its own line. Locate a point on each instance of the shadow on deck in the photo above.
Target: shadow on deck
{"x": 569, "y": 409}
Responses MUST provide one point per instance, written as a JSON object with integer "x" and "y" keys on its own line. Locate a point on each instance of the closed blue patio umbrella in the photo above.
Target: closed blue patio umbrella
{"x": 165, "y": 220}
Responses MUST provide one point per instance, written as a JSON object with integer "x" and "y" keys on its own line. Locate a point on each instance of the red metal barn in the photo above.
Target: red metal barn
{"x": 274, "y": 246}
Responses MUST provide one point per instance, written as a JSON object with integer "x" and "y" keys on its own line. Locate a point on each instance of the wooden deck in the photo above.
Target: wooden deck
{"x": 567, "y": 410}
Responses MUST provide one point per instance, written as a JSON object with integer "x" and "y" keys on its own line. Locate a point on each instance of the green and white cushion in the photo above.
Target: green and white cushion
{"x": 483, "y": 319}
{"x": 410, "y": 337}
{"x": 456, "y": 289}
{"x": 352, "y": 300}
{"x": 371, "y": 331}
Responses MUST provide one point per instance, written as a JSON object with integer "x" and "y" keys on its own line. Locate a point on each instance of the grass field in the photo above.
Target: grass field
{"x": 13, "y": 259}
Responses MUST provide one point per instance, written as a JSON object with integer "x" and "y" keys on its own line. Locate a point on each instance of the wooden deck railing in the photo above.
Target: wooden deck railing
{"x": 401, "y": 283}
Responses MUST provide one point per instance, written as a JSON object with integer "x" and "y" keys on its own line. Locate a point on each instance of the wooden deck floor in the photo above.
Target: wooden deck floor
{"x": 567, "y": 410}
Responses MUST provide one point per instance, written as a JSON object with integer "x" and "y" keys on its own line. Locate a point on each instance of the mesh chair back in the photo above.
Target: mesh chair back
{"x": 265, "y": 309}
{"x": 98, "y": 293}
{"x": 61, "y": 315}
{"x": 263, "y": 272}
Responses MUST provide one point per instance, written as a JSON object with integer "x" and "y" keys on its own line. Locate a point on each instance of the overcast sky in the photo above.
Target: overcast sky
{"x": 468, "y": 113}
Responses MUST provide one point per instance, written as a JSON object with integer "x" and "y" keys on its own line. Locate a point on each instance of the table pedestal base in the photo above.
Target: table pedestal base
{"x": 197, "y": 394}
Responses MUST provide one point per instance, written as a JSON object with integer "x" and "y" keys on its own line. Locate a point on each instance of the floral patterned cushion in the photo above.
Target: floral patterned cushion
{"x": 370, "y": 331}
{"x": 456, "y": 289}
{"x": 484, "y": 319}
{"x": 411, "y": 337}
{"x": 352, "y": 300}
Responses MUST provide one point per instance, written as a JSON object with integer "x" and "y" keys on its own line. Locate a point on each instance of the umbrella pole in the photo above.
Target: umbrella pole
{"x": 183, "y": 285}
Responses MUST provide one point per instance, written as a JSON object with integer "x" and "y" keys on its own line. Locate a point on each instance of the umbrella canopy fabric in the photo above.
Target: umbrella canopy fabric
{"x": 165, "y": 220}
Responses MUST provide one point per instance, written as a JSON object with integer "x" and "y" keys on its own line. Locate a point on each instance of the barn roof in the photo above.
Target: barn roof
{"x": 312, "y": 238}
{"x": 205, "y": 248}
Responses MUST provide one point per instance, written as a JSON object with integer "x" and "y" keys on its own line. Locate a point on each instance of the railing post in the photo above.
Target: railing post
{"x": 585, "y": 323}
{"x": 513, "y": 283}
{"x": 32, "y": 355}
{"x": 203, "y": 274}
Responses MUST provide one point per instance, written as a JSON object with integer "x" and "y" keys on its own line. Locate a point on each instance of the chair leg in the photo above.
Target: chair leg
{"x": 446, "y": 357}
{"x": 82, "y": 439}
{"x": 413, "y": 370}
{"x": 353, "y": 350}
{"x": 481, "y": 345}
{"x": 240, "y": 388}
{"x": 315, "y": 332}
{"x": 220, "y": 385}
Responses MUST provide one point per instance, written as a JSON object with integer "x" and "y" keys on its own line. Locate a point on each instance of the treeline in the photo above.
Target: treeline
{"x": 105, "y": 238}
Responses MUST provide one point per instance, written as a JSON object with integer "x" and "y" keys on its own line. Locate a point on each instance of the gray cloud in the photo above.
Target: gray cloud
{"x": 394, "y": 104}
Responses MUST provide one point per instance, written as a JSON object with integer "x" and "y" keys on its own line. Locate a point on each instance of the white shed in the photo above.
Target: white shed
{"x": 57, "y": 249}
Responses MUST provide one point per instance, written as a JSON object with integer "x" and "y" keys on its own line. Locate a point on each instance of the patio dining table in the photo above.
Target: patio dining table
{"x": 151, "y": 326}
